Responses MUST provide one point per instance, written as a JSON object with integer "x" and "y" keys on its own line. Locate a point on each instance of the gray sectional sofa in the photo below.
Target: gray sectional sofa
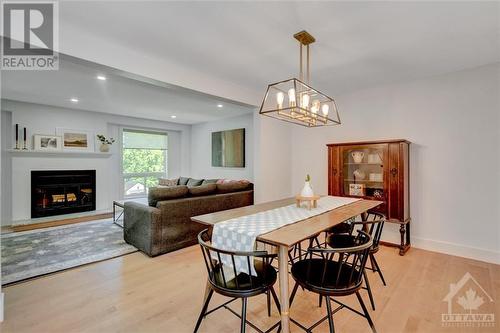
{"x": 165, "y": 224}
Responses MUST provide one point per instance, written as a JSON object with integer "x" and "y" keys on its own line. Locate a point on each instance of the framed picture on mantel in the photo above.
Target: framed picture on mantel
{"x": 75, "y": 139}
{"x": 47, "y": 142}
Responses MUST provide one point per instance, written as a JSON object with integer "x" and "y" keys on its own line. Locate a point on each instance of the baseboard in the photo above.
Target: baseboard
{"x": 1, "y": 306}
{"x": 446, "y": 248}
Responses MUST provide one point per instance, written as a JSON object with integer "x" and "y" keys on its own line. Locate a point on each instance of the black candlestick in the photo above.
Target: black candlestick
{"x": 17, "y": 136}
{"x": 24, "y": 145}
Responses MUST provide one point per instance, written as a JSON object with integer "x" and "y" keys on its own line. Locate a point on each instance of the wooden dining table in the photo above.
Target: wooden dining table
{"x": 287, "y": 236}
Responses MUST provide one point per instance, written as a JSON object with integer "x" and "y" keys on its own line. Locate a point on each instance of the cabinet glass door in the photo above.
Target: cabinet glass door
{"x": 363, "y": 171}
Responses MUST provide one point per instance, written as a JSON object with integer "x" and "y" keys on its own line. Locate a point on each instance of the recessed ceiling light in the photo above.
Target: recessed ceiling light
{"x": 101, "y": 77}
{"x": 173, "y": 117}
{"x": 219, "y": 105}
{"x": 74, "y": 100}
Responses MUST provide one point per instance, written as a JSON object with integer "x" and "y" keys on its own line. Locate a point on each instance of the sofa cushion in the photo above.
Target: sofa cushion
{"x": 232, "y": 187}
{"x": 206, "y": 189}
{"x": 168, "y": 182}
{"x": 156, "y": 194}
{"x": 194, "y": 182}
{"x": 183, "y": 180}
{"x": 209, "y": 181}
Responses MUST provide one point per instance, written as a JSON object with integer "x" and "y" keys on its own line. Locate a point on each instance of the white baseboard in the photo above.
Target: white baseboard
{"x": 1, "y": 306}
{"x": 446, "y": 247}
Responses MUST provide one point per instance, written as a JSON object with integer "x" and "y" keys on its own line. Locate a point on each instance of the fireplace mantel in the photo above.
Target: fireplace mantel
{"x": 36, "y": 153}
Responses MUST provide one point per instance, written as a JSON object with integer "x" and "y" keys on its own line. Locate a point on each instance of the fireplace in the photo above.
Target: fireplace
{"x": 59, "y": 192}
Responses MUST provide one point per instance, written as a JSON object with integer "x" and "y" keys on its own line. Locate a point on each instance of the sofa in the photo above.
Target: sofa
{"x": 165, "y": 225}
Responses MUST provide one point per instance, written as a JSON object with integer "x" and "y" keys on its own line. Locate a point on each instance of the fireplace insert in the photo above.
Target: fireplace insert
{"x": 58, "y": 192}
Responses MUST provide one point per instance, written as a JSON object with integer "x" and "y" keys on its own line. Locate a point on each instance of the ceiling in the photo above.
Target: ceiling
{"x": 121, "y": 93}
{"x": 248, "y": 45}
{"x": 359, "y": 43}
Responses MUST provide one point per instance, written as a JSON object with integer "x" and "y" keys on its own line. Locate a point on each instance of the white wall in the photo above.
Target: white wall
{"x": 201, "y": 149}
{"x": 273, "y": 159}
{"x": 40, "y": 119}
{"x": 453, "y": 123}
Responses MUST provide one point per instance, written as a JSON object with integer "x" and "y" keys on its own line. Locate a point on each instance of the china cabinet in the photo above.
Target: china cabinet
{"x": 376, "y": 170}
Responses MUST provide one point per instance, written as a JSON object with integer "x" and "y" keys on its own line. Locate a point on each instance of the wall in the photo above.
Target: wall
{"x": 273, "y": 159}
{"x": 201, "y": 149}
{"x": 40, "y": 119}
{"x": 453, "y": 123}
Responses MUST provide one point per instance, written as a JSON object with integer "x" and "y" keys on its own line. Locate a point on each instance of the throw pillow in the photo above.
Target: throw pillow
{"x": 156, "y": 194}
{"x": 194, "y": 182}
{"x": 232, "y": 187}
{"x": 183, "y": 180}
{"x": 206, "y": 189}
{"x": 168, "y": 182}
{"x": 209, "y": 181}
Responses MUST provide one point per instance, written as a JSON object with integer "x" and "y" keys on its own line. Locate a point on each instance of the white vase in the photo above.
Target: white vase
{"x": 104, "y": 148}
{"x": 307, "y": 190}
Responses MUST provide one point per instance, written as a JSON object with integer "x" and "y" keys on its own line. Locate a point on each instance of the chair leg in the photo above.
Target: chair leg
{"x": 330, "y": 316}
{"x": 203, "y": 310}
{"x": 365, "y": 311}
{"x": 320, "y": 300}
{"x": 378, "y": 269}
{"x": 294, "y": 291}
{"x": 268, "y": 296}
{"x": 369, "y": 289}
{"x": 243, "y": 314}
{"x": 371, "y": 263}
{"x": 276, "y": 300}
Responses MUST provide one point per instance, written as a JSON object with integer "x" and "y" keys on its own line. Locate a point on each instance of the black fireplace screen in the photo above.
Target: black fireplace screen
{"x": 57, "y": 192}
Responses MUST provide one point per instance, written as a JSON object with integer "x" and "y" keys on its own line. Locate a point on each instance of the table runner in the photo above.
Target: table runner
{"x": 239, "y": 234}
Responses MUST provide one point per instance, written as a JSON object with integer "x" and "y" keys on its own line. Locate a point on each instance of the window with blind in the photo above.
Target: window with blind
{"x": 144, "y": 157}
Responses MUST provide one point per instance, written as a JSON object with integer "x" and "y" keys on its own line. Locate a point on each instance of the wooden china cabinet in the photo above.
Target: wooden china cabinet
{"x": 374, "y": 170}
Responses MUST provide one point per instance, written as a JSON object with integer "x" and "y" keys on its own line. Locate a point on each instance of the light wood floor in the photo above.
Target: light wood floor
{"x": 135, "y": 293}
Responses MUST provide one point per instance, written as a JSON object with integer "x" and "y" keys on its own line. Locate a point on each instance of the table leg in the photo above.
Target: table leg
{"x": 283, "y": 279}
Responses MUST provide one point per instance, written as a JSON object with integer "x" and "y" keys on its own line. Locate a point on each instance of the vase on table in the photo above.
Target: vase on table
{"x": 307, "y": 190}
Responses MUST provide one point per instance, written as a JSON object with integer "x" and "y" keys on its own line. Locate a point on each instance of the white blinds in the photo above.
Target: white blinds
{"x": 136, "y": 139}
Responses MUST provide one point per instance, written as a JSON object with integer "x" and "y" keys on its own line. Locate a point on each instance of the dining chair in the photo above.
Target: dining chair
{"x": 337, "y": 272}
{"x": 225, "y": 280}
{"x": 373, "y": 224}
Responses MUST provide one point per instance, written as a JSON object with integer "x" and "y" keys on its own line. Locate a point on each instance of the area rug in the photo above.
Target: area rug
{"x": 37, "y": 252}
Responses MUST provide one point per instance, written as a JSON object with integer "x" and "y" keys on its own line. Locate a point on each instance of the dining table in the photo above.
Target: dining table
{"x": 285, "y": 237}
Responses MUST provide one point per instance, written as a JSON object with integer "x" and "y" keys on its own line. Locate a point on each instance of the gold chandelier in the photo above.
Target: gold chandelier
{"x": 295, "y": 101}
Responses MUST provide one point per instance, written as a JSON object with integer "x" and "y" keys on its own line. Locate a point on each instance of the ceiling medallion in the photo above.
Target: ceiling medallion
{"x": 295, "y": 101}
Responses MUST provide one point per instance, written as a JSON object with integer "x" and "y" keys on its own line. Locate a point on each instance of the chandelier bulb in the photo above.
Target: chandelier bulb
{"x": 324, "y": 109}
{"x": 280, "y": 97}
{"x": 305, "y": 101}
{"x": 291, "y": 97}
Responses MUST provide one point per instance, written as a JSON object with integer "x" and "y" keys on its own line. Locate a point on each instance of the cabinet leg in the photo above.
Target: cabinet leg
{"x": 404, "y": 230}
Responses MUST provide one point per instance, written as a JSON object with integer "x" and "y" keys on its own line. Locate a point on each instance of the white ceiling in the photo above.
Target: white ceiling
{"x": 359, "y": 44}
{"x": 119, "y": 94}
{"x": 247, "y": 45}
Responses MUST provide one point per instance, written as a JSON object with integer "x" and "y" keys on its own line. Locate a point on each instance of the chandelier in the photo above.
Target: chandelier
{"x": 295, "y": 101}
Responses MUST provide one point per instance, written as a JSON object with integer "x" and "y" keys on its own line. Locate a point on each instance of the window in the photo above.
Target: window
{"x": 144, "y": 160}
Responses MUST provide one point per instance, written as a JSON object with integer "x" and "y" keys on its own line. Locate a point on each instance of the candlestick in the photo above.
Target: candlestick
{"x": 17, "y": 136}
{"x": 24, "y": 145}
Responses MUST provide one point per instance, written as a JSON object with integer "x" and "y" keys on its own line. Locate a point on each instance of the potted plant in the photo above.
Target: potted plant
{"x": 105, "y": 143}
{"x": 307, "y": 190}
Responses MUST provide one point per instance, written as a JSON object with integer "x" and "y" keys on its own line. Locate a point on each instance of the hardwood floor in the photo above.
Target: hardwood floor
{"x": 135, "y": 293}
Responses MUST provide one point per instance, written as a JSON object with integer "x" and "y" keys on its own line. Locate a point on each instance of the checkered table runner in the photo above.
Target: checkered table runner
{"x": 239, "y": 234}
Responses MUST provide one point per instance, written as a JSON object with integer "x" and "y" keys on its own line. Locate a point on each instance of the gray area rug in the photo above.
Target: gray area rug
{"x": 36, "y": 252}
